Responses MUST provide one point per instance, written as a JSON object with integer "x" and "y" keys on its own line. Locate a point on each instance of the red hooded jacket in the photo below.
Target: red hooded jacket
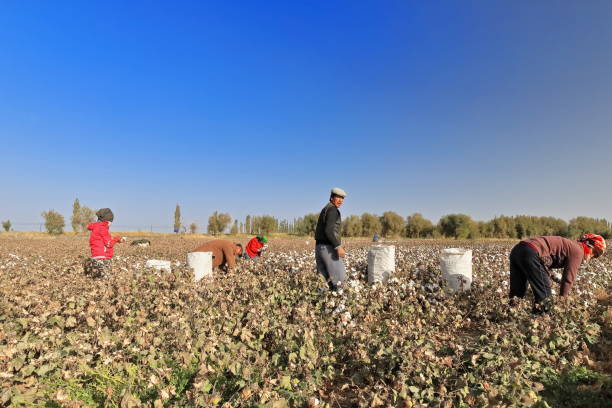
{"x": 100, "y": 240}
{"x": 253, "y": 247}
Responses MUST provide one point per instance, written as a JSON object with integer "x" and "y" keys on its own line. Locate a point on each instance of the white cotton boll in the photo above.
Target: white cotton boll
{"x": 346, "y": 317}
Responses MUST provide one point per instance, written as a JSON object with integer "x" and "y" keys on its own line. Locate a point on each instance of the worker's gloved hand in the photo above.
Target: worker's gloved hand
{"x": 556, "y": 277}
{"x": 263, "y": 248}
{"x": 123, "y": 239}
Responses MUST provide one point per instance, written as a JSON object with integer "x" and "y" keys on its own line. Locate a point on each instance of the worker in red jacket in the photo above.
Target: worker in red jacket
{"x": 256, "y": 246}
{"x": 531, "y": 261}
{"x": 101, "y": 244}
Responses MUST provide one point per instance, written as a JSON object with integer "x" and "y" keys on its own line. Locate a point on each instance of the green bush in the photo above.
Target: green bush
{"x": 54, "y": 222}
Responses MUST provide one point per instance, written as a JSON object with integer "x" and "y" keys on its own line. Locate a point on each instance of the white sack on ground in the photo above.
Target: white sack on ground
{"x": 201, "y": 263}
{"x": 159, "y": 265}
{"x": 456, "y": 265}
{"x": 381, "y": 263}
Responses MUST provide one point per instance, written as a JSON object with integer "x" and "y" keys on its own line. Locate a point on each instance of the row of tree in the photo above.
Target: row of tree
{"x": 80, "y": 219}
{"x": 459, "y": 226}
{"x": 390, "y": 224}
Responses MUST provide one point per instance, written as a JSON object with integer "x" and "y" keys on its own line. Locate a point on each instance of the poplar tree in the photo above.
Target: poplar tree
{"x": 370, "y": 224}
{"x": 418, "y": 227}
{"x": 218, "y": 222}
{"x": 177, "y": 218}
{"x": 75, "y": 220}
{"x": 247, "y": 225}
{"x": 392, "y": 223}
{"x": 86, "y": 215}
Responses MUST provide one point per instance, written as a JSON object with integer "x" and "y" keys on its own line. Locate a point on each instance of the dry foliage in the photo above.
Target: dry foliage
{"x": 266, "y": 335}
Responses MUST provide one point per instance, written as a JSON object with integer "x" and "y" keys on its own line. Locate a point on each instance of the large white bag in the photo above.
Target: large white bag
{"x": 159, "y": 265}
{"x": 456, "y": 265}
{"x": 381, "y": 263}
{"x": 201, "y": 263}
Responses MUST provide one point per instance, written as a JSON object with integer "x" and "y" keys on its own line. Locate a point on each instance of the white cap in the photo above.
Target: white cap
{"x": 338, "y": 191}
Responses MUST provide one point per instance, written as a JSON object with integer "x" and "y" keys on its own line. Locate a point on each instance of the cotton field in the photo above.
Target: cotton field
{"x": 269, "y": 334}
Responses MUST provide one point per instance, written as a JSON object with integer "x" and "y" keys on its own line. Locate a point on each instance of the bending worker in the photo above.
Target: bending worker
{"x": 255, "y": 247}
{"x": 328, "y": 249}
{"x": 101, "y": 244}
{"x": 532, "y": 259}
{"x": 224, "y": 252}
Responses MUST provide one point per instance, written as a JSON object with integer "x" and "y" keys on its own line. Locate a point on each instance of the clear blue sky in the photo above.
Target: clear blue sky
{"x": 479, "y": 107}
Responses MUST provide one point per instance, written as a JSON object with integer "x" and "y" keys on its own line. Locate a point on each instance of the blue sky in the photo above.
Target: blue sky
{"x": 438, "y": 107}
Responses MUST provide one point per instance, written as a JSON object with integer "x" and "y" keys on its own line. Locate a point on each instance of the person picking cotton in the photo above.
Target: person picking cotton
{"x": 532, "y": 261}
{"x": 101, "y": 244}
{"x": 255, "y": 247}
{"x": 224, "y": 252}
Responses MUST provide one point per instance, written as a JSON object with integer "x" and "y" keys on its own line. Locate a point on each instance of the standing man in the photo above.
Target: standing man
{"x": 531, "y": 262}
{"x": 328, "y": 249}
{"x": 224, "y": 252}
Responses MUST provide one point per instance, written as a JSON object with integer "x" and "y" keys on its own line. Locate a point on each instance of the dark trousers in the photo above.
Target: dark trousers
{"x": 525, "y": 266}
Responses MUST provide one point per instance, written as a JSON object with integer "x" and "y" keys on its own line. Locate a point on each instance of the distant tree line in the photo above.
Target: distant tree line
{"x": 459, "y": 226}
{"x": 389, "y": 224}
